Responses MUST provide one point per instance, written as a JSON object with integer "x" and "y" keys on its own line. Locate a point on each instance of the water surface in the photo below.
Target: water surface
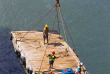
{"x": 88, "y": 22}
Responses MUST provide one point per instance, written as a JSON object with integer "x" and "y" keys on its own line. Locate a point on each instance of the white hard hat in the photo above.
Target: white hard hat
{"x": 81, "y": 63}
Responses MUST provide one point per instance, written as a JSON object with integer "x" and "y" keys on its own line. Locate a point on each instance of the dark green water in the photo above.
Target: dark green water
{"x": 88, "y": 22}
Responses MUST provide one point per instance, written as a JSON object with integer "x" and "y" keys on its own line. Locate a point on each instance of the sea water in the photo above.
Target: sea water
{"x": 88, "y": 22}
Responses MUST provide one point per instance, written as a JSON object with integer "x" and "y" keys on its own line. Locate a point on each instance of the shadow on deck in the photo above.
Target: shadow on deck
{"x": 56, "y": 44}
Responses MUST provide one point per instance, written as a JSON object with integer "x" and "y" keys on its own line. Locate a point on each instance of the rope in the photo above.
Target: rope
{"x": 35, "y": 25}
{"x": 40, "y": 20}
{"x": 42, "y": 60}
{"x": 62, "y": 24}
{"x": 68, "y": 32}
{"x": 54, "y": 22}
{"x": 58, "y": 23}
{"x": 45, "y": 52}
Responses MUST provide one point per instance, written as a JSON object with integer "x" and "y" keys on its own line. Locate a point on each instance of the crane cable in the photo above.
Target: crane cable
{"x": 56, "y": 17}
{"x": 47, "y": 45}
{"x": 58, "y": 23}
{"x": 40, "y": 20}
{"x": 45, "y": 51}
{"x": 63, "y": 24}
{"x": 68, "y": 31}
{"x": 54, "y": 21}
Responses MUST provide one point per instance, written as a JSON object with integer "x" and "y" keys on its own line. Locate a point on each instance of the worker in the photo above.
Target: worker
{"x": 45, "y": 33}
{"x": 57, "y": 3}
{"x": 51, "y": 59}
{"x": 81, "y": 65}
{"x": 76, "y": 72}
{"x": 83, "y": 68}
{"x": 79, "y": 68}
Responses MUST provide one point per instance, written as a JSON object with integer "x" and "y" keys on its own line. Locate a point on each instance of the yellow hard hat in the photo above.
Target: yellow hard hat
{"x": 46, "y": 25}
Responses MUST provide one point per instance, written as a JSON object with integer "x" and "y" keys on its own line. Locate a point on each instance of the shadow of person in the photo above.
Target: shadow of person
{"x": 56, "y": 44}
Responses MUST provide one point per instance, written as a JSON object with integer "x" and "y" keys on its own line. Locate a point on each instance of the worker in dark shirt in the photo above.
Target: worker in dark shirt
{"x": 51, "y": 59}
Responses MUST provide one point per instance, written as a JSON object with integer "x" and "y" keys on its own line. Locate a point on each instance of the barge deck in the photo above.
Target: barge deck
{"x": 32, "y": 48}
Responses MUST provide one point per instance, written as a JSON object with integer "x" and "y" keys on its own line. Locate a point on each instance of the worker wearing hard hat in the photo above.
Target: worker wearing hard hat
{"x": 57, "y": 3}
{"x": 51, "y": 59}
{"x": 45, "y": 33}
